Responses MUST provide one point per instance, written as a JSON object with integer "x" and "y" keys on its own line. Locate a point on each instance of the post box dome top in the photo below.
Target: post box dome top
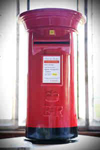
{"x": 52, "y": 17}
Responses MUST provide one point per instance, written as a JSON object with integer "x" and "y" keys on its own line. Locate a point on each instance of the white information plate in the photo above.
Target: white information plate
{"x": 51, "y": 69}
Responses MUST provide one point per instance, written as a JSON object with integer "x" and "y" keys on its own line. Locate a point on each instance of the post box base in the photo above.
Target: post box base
{"x": 51, "y": 135}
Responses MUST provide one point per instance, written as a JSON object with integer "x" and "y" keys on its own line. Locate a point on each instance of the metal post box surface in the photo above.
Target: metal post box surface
{"x": 51, "y": 114}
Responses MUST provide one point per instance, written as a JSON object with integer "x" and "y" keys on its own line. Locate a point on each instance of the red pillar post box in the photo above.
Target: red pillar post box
{"x": 51, "y": 112}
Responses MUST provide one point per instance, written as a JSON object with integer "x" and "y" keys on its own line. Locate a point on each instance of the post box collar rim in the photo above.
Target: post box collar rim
{"x": 72, "y": 17}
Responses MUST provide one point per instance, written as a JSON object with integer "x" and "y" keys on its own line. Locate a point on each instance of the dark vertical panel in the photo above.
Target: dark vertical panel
{"x": 86, "y": 67}
{"x": 77, "y": 70}
{"x": 28, "y": 4}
